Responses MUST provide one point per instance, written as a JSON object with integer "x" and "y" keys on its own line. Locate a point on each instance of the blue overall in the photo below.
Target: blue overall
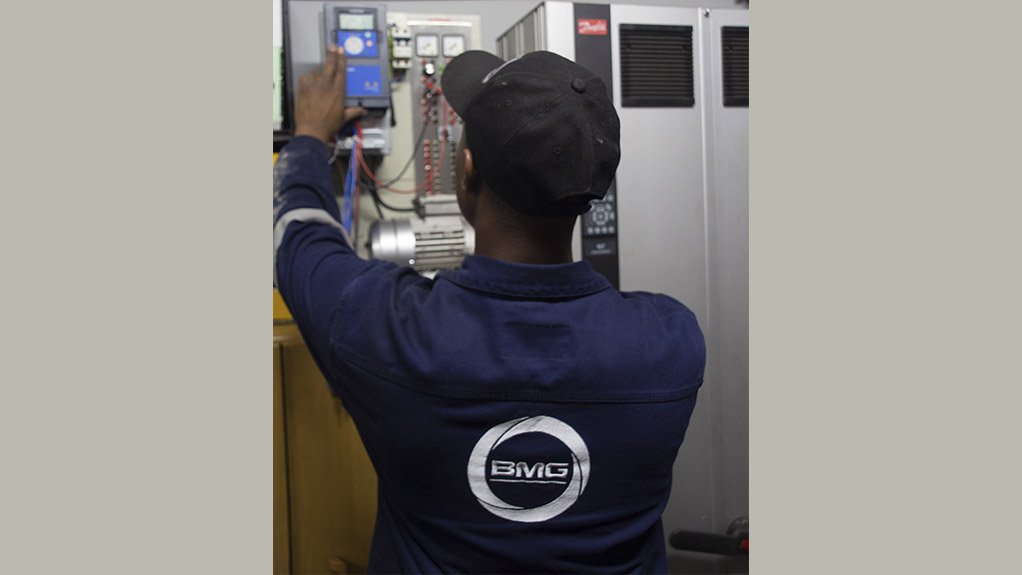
{"x": 521, "y": 418}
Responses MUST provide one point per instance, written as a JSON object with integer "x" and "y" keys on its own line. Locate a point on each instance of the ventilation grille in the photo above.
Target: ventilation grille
{"x": 656, "y": 66}
{"x": 734, "y": 46}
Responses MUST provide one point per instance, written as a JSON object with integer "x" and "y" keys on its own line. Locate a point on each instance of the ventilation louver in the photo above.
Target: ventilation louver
{"x": 734, "y": 46}
{"x": 656, "y": 66}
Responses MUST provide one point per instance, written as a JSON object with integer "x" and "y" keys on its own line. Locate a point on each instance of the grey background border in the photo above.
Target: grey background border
{"x": 884, "y": 308}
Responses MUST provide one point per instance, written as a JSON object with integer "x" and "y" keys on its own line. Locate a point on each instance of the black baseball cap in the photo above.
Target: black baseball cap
{"x": 543, "y": 131}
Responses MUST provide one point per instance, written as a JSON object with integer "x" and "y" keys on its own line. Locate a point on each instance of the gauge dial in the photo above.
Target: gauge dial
{"x": 426, "y": 45}
{"x": 454, "y": 45}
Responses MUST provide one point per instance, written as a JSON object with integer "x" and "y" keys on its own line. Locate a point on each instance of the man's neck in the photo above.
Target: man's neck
{"x": 505, "y": 235}
{"x": 522, "y": 252}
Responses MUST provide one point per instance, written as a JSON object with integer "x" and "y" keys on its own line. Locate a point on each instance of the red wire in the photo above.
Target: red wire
{"x": 427, "y": 185}
{"x": 372, "y": 176}
{"x": 358, "y": 150}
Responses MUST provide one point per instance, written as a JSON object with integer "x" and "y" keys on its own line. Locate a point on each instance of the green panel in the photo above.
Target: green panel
{"x": 278, "y": 86}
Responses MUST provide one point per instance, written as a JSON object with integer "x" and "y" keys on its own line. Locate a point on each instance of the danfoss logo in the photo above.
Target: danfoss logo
{"x": 592, "y": 27}
{"x": 543, "y": 477}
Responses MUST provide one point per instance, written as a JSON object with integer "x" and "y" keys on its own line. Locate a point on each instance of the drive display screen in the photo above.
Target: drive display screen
{"x": 364, "y": 81}
{"x": 356, "y": 21}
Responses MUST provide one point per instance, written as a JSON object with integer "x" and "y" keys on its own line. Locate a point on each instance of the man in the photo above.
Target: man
{"x": 522, "y": 414}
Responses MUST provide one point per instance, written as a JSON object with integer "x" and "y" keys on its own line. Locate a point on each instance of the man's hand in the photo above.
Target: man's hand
{"x": 319, "y": 103}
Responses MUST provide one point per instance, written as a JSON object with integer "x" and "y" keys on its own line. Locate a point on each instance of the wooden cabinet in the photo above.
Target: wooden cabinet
{"x": 281, "y": 536}
{"x": 324, "y": 485}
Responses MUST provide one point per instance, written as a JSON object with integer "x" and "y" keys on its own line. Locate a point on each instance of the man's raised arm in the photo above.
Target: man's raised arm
{"x": 313, "y": 257}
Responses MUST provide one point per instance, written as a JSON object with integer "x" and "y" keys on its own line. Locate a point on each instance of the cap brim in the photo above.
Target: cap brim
{"x": 463, "y": 77}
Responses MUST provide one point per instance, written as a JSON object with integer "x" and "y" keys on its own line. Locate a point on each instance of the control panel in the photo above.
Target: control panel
{"x": 601, "y": 219}
{"x": 361, "y": 31}
{"x": 599, "y": 229}
{"x": 434, "y": 43}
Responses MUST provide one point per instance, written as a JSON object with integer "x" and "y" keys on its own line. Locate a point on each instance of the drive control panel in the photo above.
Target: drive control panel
{"x": 362, "y": 32}
{"x": 600, "y": 233}
{"x": 601, "y": 219}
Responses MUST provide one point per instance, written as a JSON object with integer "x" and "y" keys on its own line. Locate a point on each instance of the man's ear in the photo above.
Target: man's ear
{"x": 470, "y": 175}
{"x": 468, "y": 184}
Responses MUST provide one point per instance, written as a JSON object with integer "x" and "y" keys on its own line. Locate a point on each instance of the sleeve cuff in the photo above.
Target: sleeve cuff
{"x": 313, "y": 145}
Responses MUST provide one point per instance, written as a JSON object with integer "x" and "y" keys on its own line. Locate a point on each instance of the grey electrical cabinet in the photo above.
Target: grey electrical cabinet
{"x": 676, "y": 220}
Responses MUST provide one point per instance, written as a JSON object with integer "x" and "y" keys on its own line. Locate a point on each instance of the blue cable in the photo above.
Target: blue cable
{"x": 349, "y": 184}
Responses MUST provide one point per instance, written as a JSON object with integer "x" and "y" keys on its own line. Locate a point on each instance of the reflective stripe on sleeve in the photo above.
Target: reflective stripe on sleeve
{"x": 302, "y": 215}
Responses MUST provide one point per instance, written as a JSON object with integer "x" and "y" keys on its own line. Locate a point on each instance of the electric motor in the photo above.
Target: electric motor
{"x": 438, "y": 239}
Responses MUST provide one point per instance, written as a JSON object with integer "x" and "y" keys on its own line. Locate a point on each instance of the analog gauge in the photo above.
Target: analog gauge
{"x": 426, "y": 45}
{"x": 353, "y": 45}
{"x": 453, "y": 45}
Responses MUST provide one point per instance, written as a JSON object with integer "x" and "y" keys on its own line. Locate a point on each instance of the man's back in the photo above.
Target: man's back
{"x": 520, "y": 418}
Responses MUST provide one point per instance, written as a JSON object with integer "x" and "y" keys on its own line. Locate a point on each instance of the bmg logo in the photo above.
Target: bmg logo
{"x": 551, "y": 486}
{"x": 523, "y": 469}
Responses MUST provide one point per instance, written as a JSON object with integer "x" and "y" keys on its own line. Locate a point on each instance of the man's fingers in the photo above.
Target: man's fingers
{"x": 354, "y": 114}
{"x": 340, "y": 68}
{"x": 330, "y": 64}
